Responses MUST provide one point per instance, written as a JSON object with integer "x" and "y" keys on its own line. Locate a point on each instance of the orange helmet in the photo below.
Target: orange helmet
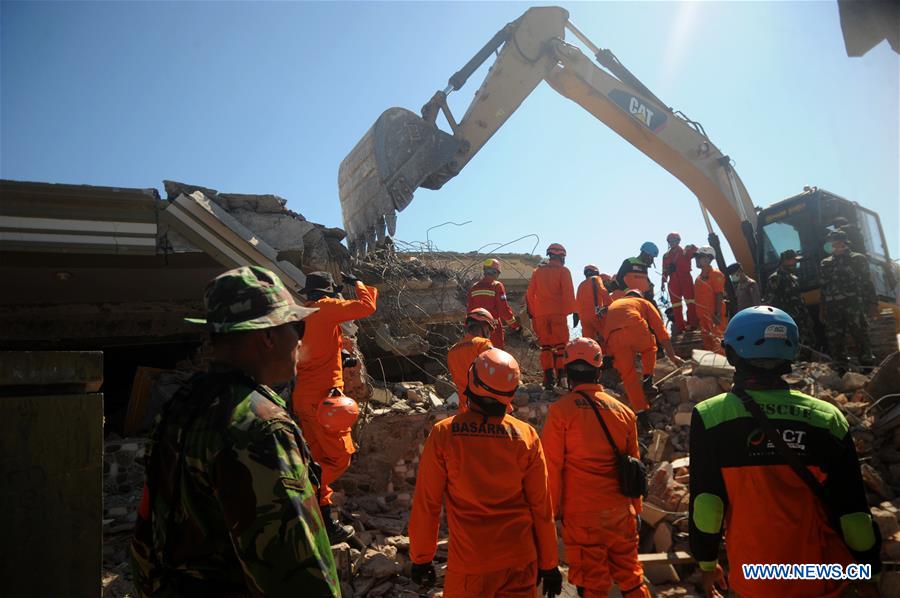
{"x": 595, "y": 271}
{"x": 634, "y": 293}
{"x": 672, "y": 236}
{"x": 480, "y": 314}
{"x": 491, "y": 264}
{"x": 583, "y": 349}
{"x": 338, "y": 414}
{"x": 495, "y": 374}
{"x": 555, "y": 250}
{"x": 605, "y": 277}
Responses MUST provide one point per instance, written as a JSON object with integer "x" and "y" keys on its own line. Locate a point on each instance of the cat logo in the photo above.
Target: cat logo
{"x": 647, "y": 114}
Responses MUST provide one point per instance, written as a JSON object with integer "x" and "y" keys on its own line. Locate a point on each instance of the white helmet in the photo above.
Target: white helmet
{"x": 706, "y": 251}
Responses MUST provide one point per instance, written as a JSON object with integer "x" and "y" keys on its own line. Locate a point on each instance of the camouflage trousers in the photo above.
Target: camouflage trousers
{"x": 848, "y": 319}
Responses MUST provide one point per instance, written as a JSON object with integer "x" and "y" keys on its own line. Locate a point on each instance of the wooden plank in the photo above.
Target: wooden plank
{"x": 678, "y": 557}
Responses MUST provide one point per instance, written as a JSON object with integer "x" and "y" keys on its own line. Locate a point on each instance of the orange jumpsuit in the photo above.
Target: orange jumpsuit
{"x": 590, "y": 296}
{"x": 319, "y": 372}
{"x": 550, "y": 298}
{"x": 459, "y": 358}
{"x": 490, "y": 475}
{"x": 599, "y": 525}
{"x": 491, "y": 295}
{"x": 706, "y": 287}
{"x": 677, "y": 268}
{"x": 626, "y": 328}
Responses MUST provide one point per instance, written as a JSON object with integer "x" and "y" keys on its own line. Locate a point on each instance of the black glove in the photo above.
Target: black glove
{"x": 552, "y": 580}
{"x": 349, "y": 278}
{"x": 601, "y": 311}
{"x": 423, "y": 575}
{"x": 574, "y": 320}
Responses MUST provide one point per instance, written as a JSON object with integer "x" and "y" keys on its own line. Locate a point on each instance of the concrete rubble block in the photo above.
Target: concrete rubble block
{"x": 453, "y": 400}
{"x": 433, "y": 401}
{"x": 891, "y": 547}
{"x": 852, "y": 381}
{"x": 828, "y": 378}
{"x": 443, "y": 387}
{"x": 874, "y": 481}
{"x": 651, "y": 514}
{"x": 887, "y": 521}
{"x": 401, "y": 543}
{"x": 663, "y": 367}
{"x": 661, "y": 573}
{"x": 382, "y": 396}
{"x": 707, "y": 363}
{"x": 662, "y": 537}
{"x": 658, "y": 444}
{"x": 886, "y": 378}
{"x": 682, "y": 418}
{"x": 412, "y": 391}
{"x": 698, "y": 389}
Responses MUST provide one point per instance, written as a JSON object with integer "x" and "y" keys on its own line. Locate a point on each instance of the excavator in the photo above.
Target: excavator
{"x": 404, "y": 151}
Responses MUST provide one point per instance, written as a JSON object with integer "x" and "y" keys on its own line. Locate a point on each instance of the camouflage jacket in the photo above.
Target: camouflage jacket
{"x": 846, "y": 278}
{"x": 783, "y": 292}
{"x": 237, "y": 514}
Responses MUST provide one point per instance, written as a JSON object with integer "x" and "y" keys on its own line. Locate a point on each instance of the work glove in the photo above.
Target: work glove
{"x": 349, "y": 279}
{"x": 574, "y": 320}
{"x": 551, "y": 580}
{"x": 423, "y": 575}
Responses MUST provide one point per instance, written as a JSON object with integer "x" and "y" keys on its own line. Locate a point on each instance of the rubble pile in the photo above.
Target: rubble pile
{"x": 376, "y": 493}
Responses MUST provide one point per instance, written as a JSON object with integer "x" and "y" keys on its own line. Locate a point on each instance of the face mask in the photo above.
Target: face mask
{"x": 828, "y": 248}
{"x": 735, "y": 278}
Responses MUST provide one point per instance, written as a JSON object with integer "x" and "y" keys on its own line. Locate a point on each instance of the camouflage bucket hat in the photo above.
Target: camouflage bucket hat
{"x": 248, "y": 298}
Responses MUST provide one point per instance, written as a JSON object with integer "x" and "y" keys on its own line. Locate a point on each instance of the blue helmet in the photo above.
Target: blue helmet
{"x": 763, "y": 332}
{"x": 650, "y": 249}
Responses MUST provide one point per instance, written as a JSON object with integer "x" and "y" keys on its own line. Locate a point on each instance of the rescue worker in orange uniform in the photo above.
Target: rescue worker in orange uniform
{"x": 487, "y": 469}
{"x": 490, "y": 294}
{"x": 319, "y": 376}
{"x": 600, "y": 524}
{"x": 632, "y": 327}
{"x": 676, "y": 265}
{"x": 709, "y": 290}
{"x": 550, "y": 298}
{"x": 633, "y": 271}
{"x": 592, "y": 299}
{"x": 479, "y": 324}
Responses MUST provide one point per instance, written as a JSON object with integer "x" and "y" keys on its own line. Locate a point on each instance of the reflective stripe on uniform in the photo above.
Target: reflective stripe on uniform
{"x": 483, "y": 293}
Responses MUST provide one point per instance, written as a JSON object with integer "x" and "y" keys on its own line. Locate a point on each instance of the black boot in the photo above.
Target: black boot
{"x": 649, "y": 389}
{"x": 643, "y": 421}
{"x": 336, "y": 531}
{"x": 561, "y": 378}
{"x": 549, "y": 382}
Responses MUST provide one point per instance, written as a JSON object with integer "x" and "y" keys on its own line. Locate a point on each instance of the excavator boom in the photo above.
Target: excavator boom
{"x": 402, "y": 151}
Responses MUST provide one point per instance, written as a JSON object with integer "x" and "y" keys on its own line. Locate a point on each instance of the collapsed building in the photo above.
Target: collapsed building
{"x": 116, "y": 270}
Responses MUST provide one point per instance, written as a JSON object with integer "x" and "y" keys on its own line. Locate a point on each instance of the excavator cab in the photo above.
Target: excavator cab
{"x": 802, "y": 223}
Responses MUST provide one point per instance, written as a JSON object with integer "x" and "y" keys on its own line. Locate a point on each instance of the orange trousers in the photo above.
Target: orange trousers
{"x": 712, "y": 334}
{"x": 624, "y": 344}
{"x": 553, "y": 334}
{"x": 602, "y": 548}
{"x": 329, "y": 449}
{"x": 681, "y": 292}
{"x": 513, "y": 582}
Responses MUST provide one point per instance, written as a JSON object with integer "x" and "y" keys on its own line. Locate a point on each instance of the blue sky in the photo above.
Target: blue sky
{"x": 269, "y": 98}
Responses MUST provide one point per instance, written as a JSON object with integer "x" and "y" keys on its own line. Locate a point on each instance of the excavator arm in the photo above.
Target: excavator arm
{"x": 402, "y": 152}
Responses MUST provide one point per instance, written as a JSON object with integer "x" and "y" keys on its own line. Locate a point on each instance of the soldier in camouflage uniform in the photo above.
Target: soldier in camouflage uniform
{"x": 848, "y": 295}
{"x": 783, "y": 292}
{"x": 229, "y": 507}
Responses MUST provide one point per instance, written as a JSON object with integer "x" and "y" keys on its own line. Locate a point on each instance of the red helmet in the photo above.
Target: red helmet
{"x": 338, "y": 414}
{"x": 671, "y": 236}
{"x": 495, "y": 374}
{"x": 591, "y": 268}
{"x": 583, "y": 349}
{"x": 480, "y": 314}
{"x": 491, "y": 264}
{"x": 556, "y": 249}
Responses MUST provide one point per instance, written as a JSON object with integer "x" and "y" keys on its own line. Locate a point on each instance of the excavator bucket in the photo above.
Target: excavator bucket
{"x": 377, "y": 179}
